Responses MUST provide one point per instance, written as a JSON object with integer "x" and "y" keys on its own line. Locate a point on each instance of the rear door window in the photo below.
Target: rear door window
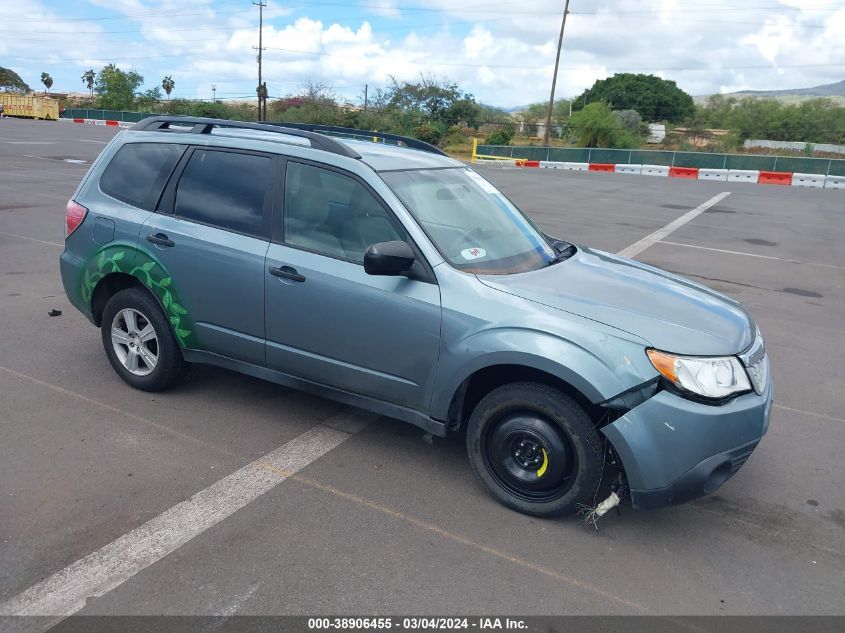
{"x": 138, "y": 172}
{"x": 226, "y": 189}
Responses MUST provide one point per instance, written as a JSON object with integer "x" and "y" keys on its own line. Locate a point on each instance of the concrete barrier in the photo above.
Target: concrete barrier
{"x": 743, "y": 175}
{"x": 655, "y": 170}
{"x": 605, "y": 167}
{"x": 629, "y": 169}
{"x": 808, "y": 180}
{"x": 577, "y": 166}
{"x": 713, "y": 174}
{"x": 775, "y": 178}
{"x": 552, "y": 164}
{"x": 524, "y": 162}
{"x": 684, "y": 172}
{"x": 834, "y": 182}
{"x": 123, "y": 124}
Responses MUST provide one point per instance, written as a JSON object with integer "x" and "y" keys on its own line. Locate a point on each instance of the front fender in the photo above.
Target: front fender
{"x": 600, "y": 367}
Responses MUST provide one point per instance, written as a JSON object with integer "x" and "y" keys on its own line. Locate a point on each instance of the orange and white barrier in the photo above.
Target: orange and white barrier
{"x": 743, "y": 175}
{"x": 661, "y": 171}
{"x": 106, "y": 122}
{"x": 720, "y": 175}
{"x": 808, "y": 180}
{"x": 629, "y": 169}
{"x": 834, "y": 182}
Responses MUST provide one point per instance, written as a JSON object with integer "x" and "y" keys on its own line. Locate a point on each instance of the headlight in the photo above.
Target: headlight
{"x": 704, "y": 376}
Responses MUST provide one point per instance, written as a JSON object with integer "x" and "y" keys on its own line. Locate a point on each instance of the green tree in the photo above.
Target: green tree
{"x": 148, "y": 99}
{"x": 116, "y": 88}
{"x": 10, "y": 81}
{"x": 47, "y": 80}
{"x": 531, "y": 117}
{"x": 88, "y": 78}
{"x": 438, "y": 101}
{"x": 654, "y": 98}
{"x": 598, "y": 126}
{"x": 502, "y": 135}
{"x": 168, "y": 84}
{"x": 631, "y": 122}
{"x": 811, "y": 121}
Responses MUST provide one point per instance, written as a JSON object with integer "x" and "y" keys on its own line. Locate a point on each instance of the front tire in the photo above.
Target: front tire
{"x": 535, "y": 449}
{"x": 139, "y": 341}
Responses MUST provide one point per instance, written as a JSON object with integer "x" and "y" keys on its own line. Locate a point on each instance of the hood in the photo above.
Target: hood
{"x": 672, "y": 313}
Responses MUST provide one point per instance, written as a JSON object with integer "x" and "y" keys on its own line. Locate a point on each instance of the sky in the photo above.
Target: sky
{"x": 501, "y": 51}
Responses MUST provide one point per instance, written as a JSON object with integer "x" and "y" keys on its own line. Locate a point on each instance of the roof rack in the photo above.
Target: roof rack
{"x": 201, "y": 125}
{"x": 364, "y": 134}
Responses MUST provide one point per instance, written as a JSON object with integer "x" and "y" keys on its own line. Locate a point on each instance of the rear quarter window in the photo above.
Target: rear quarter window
{"x": 138, "y": 172}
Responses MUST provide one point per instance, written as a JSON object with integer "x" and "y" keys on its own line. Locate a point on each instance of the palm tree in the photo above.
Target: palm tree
{"x": 47, "y": 80}
{"x": 168, "y": 84}
{"x": 88, "y": 79}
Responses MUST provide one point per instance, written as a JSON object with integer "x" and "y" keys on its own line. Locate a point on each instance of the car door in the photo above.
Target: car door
{"x": 327, "y": 320}
{"x": 211, "y": 234}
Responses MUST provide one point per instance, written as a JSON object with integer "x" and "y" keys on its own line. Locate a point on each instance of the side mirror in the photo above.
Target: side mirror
{"x": 388, "y": 258}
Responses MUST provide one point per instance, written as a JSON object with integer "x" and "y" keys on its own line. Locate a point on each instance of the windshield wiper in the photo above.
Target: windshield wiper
{"x": 564, "y": 251}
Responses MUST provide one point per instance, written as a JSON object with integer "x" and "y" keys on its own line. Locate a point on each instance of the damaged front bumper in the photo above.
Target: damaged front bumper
{"x": 675, "y": 450}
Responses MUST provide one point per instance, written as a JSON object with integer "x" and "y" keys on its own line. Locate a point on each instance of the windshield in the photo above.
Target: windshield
{"x": 471, "y": 222}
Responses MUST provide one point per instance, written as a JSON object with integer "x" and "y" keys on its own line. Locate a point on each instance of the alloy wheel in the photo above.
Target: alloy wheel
{"x": 135, "y": 342}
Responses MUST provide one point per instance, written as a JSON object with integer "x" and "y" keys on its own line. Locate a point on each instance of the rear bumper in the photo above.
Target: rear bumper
{"x": 675, "y": 450}
{"x": 71, "y": 268}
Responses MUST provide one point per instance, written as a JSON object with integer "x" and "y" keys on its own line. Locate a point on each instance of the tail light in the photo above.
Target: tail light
{"x": 74, "y": 214}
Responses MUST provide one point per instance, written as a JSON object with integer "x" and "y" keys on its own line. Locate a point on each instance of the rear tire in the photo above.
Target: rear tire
{"x": 139, "y": 341}
{"x": 535, "y": 449}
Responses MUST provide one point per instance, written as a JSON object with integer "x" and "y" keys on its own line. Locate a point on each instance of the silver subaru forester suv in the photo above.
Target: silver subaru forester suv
{"x": 391, "y": 277}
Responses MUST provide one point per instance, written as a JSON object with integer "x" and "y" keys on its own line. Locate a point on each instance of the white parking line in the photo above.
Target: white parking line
{"x": 65, "y": 592}
{"x": 722, "y": 250}
{"x": 31, "y": 239}
{"x": 638, "y": 247}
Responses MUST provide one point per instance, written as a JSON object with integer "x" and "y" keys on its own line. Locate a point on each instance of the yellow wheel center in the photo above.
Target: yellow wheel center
{"x": 542, "y": 470}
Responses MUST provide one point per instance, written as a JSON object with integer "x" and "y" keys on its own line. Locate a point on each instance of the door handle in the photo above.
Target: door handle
{"x": 160, "y": 239}
{"x": 287, "y": 272}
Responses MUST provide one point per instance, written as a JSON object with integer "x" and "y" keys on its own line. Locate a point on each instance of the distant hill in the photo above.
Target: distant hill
{"x": 834, "y": 91}
{"x": 828, "y": 90}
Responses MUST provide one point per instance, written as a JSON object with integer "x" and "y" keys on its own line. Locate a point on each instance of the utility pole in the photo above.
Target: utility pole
{"x": 366, "y": 86}
{"x": 213, "y": 93}
{"x": 548, "y": 127}
{"x": 260, "y": 4}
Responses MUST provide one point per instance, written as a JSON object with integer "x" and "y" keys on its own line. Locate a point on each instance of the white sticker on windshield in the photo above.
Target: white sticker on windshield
{"x": 473, "y": 253}
{"x": 486, "y": 187}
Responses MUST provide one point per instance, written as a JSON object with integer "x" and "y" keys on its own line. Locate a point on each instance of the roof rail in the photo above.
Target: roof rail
{"x": 201, "y": 125}
{"x": 367, "y": 134}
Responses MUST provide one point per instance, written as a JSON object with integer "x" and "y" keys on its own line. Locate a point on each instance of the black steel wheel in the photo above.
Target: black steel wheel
{"x": 535, "y": 449}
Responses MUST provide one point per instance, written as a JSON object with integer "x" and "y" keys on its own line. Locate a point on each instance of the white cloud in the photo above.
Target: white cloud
{"x": 500, "y": 50}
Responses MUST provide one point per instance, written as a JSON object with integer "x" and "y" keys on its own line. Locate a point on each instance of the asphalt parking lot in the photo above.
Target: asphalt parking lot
{"x": 389, "y": 521}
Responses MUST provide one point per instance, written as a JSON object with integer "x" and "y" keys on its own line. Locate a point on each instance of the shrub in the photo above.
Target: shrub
{"x": 501, "y": 136}
{"x": 428, "y": 133}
